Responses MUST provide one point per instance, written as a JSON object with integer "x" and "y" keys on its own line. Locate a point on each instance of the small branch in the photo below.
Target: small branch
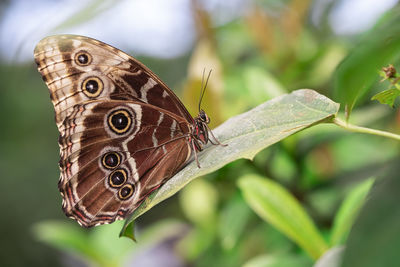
{"x": 358, "y": 129}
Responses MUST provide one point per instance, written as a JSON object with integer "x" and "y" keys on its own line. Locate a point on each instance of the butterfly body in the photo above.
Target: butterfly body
{"x": 123, "y": 132}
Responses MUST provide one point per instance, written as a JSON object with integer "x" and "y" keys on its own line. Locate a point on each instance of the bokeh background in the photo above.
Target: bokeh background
{"x": 257, "y": 49}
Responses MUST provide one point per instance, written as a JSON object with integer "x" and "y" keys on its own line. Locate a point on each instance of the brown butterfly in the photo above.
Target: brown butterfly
{"x": 123, "y": 132}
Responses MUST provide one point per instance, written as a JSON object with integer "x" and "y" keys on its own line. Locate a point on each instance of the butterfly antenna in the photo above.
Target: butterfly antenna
{"x": 203, "y": 89}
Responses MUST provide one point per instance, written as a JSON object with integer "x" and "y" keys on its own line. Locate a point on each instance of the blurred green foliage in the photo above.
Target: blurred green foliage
{"x": 317, "y": 180}
{"x": 357, "y": 72}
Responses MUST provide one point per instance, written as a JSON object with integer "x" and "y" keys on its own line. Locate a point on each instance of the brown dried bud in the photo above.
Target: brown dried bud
{"x": 389, "y": 71}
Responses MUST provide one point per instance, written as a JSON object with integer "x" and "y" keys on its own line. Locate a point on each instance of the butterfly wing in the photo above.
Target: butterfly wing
{"x": 122, "y": 131}
{"x": 77, "y": 69}
{"x": 108, "y": 169}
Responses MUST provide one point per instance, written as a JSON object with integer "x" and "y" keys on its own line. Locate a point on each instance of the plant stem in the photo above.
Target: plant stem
{"x": 358, "y": 129}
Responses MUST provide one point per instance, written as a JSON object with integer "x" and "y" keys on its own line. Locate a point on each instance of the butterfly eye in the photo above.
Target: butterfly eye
{"x": 120, "y": 121}
{"x": 83, "y": 58}
{"x": 111, "y": 160}
{"x": 125, "y": 192}
{"x": 204, "y": 117}
{"x": 117, "y": 178}
{"x": 92, "y": 87}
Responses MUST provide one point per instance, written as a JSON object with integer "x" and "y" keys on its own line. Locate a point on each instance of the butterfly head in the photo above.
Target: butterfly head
{"x": 200, "y": 130}
{"x": 203, "y": 117}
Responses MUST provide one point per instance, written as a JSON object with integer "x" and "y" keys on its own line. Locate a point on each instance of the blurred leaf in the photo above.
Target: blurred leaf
{"x": 67, "y": 237}
{"x": 237, "y": 94}
{"x": 261, "y": 238}
{"x": 358, "y": 71}
{"x": 199, "y": 201}
{"x": 159, "y": 231}
{"x": 369, "y": 114}
{"x": 277, "y": 206}
{"x": 101, "y": 246}
{"x": 282, "y": 166}
{"x": 326, "y": 63}
{"x": 331, "y": 258}
{"x": 109, "y": 246}
{"x": 247, "y": 134}
{"x": 374, "y": 239}
{"x": 230, "y": 52}
{"x": 278, "y": 260}
{"x": 261, "y": 85}
{"x": 306, "y": 48}
{"x": 323, "y": 199}
{"x": 387, "y": 97}
{"x": 232, "y": 223}
{"x": 196, "y": 242}
{"x": 348, "y": 211}
{"x": 369, "y": 151}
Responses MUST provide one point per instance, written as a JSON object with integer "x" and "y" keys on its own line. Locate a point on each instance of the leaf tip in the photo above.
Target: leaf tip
{"x": 128, "y": 230}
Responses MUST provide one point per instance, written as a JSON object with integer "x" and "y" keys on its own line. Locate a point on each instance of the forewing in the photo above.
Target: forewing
{"x": 69, "y": 64}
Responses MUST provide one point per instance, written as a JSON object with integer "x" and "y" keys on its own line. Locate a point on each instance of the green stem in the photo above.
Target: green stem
{"x": 358, "y": 129}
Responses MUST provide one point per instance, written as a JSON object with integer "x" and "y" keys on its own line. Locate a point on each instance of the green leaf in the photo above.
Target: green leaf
{"x": 359, "y": 70}
{"x": 387, "y": 97}
{"x": 331, "y": 258}
{"x": 105, "y": 241}
{"x": 160, "y": 231}
{"x": 261, "y": 84}
{"x": 196, "y": 243}
{"x": 348, "y": 210}
{"x": 374, "y": 239}
{"x": 247, "y": 134}
{"x": 67, "y": 237}
{"x": 199, "y": 201}
{"x": 129, "y": 232}
{"x": 232, "y": 223}
{"x": 101, "y": 246}
{"x": 278, "y": 260}
{"x": 277, "y": 206}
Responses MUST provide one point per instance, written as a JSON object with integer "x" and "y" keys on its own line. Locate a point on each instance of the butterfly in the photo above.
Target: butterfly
{"x": 123, "y": 132}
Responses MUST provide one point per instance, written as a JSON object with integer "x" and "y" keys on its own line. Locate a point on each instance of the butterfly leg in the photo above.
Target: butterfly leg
{"x": 216, "y": 140}
{"x": 195, "y": 148}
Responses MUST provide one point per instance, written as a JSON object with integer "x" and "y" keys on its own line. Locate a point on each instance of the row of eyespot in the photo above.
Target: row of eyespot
{"x": 92, "y": 86}
{"x": 117, "y": 178}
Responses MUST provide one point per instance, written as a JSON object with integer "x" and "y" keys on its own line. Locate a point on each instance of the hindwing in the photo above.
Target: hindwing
{"x": 108, "y": 168}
